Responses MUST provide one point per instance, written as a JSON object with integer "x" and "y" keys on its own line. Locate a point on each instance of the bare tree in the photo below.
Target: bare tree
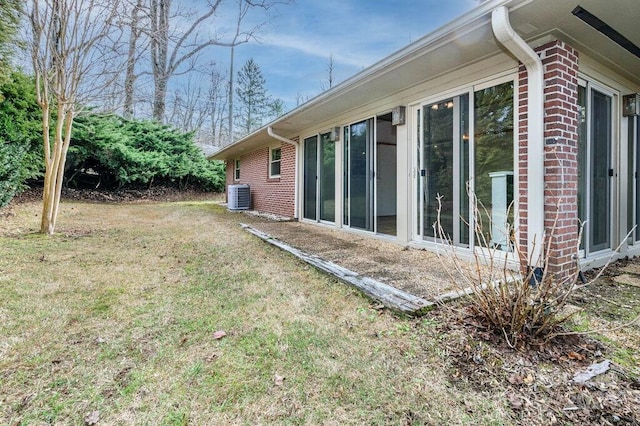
{"x": 217, "y": 99}
{"x": 174, "y": 51}
{"x": 330, "y": 66}
{"x": 67, "y": 53}
{"x": 135, "y": 31}
{"x": 243, "y": 9}
{"x": 301, "y": 98}
{"x": 189, "y": 106}
{"x": 171, "y": 49}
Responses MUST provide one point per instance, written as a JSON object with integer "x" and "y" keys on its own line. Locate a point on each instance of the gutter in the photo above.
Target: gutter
{"x": 271, "y": 133}
{"x": 535, "y": 109}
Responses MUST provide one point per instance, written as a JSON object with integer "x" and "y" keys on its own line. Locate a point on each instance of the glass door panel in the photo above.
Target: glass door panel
{"x": 595, "y": 168}
{"x": 310, "y": 177}
{"x": 345, "y": 177}
{"x": 630, "y": 178}
{"x": 444, "y": 169}
{"x": 386, "y": 176}
{"x": 635, "y": 123}
{"x": 438, "y": 168}
{"x": 360, "y": 176}
{"x": 493, "y": 167}
{"x": 463, "y": 191}
{"x": 600, "y": 217}
{"x": 327, "y": 178}
{"x": 582, "y": 161}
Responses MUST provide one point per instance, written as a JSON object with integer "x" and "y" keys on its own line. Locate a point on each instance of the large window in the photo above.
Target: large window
{"x": 275, "y": 159}
{"x": 451, "y": 150}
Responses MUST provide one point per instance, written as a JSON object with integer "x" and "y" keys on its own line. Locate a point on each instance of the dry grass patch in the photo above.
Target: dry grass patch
{"x": 114, "y": 319}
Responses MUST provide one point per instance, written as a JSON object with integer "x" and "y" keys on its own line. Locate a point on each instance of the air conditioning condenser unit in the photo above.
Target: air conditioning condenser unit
{"x": 239, "y": 197}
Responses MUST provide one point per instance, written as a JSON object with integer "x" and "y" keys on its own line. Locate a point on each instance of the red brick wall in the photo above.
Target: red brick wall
{"x": 267, "y": 195}
{"x": 523, "y": 158}
{"x": 561, "y": 155}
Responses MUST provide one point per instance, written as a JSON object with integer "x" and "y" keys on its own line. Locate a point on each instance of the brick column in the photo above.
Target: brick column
{"x": 561, "y": 155}
{"x": 523, "y": 163}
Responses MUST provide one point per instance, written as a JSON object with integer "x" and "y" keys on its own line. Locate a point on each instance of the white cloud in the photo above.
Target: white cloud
{"x": 344, "y": 53}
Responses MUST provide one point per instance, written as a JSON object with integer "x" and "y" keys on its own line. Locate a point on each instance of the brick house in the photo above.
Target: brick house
{"x": 531, "y": 104}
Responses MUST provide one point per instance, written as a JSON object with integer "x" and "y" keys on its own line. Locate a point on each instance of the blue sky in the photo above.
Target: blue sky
{"x": 295, "y": 47}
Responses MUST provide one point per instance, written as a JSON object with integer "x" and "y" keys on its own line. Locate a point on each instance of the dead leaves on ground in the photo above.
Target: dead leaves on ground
{"x": 537, "y": 381}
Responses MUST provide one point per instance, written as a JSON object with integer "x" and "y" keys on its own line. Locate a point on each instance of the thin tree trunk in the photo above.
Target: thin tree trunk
{"x": 45, "y": 220}
{"x": 230, "y": 124}
{"x": 159, "y": 54}
{"x": 130, "y": 78}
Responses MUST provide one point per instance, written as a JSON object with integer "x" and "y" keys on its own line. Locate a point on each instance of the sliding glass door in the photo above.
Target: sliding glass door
{"x": 327, "y": 181}
{"x": 359, "y": 175}
{"x": 319, "y": 178}
{"x": 445, "y": 167}
{"x": 595, "y": 174}
{"x": 311, "y": 178}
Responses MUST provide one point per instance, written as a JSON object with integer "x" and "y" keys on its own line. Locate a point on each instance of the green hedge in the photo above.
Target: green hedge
{"x": 114, "y": 152}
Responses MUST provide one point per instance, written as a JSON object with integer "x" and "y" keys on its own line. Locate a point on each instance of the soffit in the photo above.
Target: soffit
{"x": 543, "y": 17}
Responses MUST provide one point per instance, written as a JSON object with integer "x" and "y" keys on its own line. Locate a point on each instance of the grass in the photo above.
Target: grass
{"x": 116, "y": 314}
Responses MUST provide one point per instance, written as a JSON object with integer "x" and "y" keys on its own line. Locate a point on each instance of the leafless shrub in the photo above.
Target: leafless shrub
{"x": 523, "y": 301}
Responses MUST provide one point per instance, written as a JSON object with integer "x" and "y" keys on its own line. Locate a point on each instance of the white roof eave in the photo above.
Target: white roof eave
{"x": 465, "y": 23}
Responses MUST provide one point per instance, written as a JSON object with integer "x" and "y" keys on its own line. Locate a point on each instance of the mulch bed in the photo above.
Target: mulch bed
{"x": 126, "y": 195}
{"x": 537, "y": 381}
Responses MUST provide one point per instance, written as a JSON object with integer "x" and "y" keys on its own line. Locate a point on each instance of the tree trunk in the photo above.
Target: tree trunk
{"x": 233, "y": 47}
{"x": 130, "y": 78}
{"x": 160, "y": 99}
{"x": 54, "y": 173}
{"x": 159, "y": 54}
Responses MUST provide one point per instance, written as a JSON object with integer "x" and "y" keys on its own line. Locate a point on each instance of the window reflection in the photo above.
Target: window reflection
{"x": 493, "y": 139}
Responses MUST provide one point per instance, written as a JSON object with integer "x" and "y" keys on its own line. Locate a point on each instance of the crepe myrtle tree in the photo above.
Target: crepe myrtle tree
{"x": 69, "y": 42}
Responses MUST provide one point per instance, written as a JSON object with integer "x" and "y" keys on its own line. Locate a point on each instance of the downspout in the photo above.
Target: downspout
{"x": 295, "y": 179}
{"x": 535, "y": 144}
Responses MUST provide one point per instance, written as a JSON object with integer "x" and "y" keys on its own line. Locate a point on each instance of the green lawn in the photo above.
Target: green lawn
{"x": 113, "y": 319}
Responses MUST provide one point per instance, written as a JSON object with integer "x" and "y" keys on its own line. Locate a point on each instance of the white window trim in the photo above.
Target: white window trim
{"x": 236, "y": 169}
{"x": 272, "y": 161}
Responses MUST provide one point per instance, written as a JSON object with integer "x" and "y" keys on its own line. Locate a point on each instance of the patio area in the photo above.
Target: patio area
{"x": 425, "y": 274}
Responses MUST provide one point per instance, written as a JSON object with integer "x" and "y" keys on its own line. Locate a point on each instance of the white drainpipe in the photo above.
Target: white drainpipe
{"x": 535, "y": 111}
{"x": 295, "y": 181}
